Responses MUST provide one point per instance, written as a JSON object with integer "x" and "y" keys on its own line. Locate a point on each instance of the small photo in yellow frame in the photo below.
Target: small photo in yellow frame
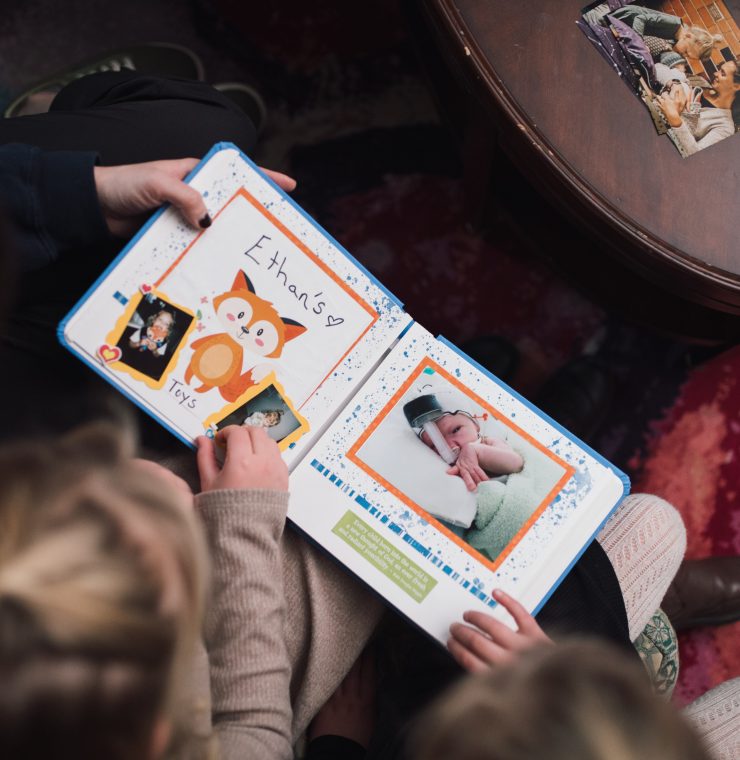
{"x": 149, "y": 336}
{"x": 266, "y": 406}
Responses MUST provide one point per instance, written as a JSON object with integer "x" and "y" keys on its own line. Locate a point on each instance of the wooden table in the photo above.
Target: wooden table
{"x": 588, "y": 144}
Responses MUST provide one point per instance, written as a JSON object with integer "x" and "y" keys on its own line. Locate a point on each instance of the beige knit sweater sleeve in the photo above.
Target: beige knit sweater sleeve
{"x": 245, "y": 624}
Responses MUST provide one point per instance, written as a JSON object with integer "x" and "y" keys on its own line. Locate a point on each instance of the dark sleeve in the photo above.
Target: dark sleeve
{"x": 663, "y": 25}
{"x": 50, "y": 201}
{"x": 649, "y": 22}
{"x": 334, "y": 748}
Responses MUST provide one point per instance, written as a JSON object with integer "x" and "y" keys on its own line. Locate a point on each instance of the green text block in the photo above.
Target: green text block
{"x": 397, "y": 567}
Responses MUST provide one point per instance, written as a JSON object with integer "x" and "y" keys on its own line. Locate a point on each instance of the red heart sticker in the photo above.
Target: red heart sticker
{"x": 144, "y": 288}
{"x": 108, "y": 354}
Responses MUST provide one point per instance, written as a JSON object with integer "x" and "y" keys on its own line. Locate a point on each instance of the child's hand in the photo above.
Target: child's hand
{"x": 252, "y": 461}
{"x": 488, "y": 641}
{"x": 350, "y": 711}
{"x": 467, "y": 467}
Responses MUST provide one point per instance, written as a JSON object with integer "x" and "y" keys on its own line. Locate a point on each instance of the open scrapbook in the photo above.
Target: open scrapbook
{"x": 418, "y": 470}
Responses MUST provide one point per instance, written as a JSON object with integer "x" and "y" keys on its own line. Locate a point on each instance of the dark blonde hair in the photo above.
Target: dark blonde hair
{"x": 705, "y": 41}
{"x": 102, "y": 578}
{"x": 574, "y": 701}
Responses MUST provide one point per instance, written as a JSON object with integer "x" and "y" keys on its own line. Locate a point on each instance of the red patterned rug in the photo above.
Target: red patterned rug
{"x": 691, "y": 460}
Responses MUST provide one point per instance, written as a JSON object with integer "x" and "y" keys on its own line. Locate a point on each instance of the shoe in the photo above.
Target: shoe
{"x": 578, "y": 396}
{"x": 247, "y": 99}
{"x": 161, "y": 58}
{"x": 495, "y": 354}
{"x": 704, "y": 592}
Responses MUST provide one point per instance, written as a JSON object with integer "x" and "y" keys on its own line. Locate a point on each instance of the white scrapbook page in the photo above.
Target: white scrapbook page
{"x": 437, "y": 484}
{"x": 260, "y": 319}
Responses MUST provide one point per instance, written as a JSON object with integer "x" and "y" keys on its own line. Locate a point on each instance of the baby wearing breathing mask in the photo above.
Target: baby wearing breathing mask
{"x": 477, "y": 457}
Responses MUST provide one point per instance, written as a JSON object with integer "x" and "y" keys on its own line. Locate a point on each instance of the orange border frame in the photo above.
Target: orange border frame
{"x": 306, "y": 250}
{"x": 353, "y": 456}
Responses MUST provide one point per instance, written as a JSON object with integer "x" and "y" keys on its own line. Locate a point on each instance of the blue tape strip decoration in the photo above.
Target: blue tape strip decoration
{"x": 425, "y": 552}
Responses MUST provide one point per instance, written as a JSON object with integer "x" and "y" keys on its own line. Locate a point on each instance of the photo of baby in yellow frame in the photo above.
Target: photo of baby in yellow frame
{"x": 264, "y": 405}
{"x": 150, "y": 334}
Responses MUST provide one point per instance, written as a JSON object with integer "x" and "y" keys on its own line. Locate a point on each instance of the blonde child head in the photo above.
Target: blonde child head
{"x": 574, "y": 701}
{"x": 697, "y": 42}
{"x": 273, "y": 417}
{"x": 102, "y": 577}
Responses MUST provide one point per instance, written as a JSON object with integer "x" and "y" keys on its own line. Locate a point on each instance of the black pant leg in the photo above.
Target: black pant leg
{"x": 128, "y": 118}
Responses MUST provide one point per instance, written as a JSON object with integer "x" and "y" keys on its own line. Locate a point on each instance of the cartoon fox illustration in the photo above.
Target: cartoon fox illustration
{"x": 251, "y": 323}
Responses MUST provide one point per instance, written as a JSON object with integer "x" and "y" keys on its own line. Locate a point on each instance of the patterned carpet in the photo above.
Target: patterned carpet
{"x": 690, "y": 459}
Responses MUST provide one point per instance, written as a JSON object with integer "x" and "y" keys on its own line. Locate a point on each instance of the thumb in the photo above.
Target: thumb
{"x": 170, "y": 187}
{"x": 208, "y": 467}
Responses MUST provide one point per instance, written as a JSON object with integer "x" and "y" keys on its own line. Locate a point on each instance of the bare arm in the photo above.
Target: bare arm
{"x": 497, "y": 457}
{"x": 487, "y": 456}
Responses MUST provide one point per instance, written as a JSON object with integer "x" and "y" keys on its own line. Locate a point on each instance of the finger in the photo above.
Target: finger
{"x": 177, "y": 167}
{"x": 465, "y": 657}
{"x": 237, "y": 441}
{"x": 454, "y": 470}
{"x": 261, "y": 441}
{"x": 478, "y": 644}
{"x": 283, "y": 181}
{"x": 524, "y": 621}
{"x": 479, "y": 475}
{"x": 498, "y": 632}
{"x": 183, "y": 197}
{"x": 465, "y": 475}
{"x": 208, "y": 467}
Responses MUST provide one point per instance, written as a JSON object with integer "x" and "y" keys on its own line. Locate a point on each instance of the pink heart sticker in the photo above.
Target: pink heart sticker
{"x": 144, "y": 288}
{"x": 108, "y": 354}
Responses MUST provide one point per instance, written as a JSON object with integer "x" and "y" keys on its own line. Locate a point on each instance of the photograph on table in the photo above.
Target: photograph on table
{"x": 149, "y": 336}
{"x": 680, "y": 57}
{"x": 460, "y": 463}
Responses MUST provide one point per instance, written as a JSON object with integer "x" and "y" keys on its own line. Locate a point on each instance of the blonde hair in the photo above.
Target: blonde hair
{"x": 574, "y": 701}
{"x": 705, "y": 41}
{"x": 102, "y": 582}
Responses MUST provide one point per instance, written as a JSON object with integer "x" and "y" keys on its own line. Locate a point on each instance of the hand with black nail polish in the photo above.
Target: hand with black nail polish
{"x": 128, "y": 194}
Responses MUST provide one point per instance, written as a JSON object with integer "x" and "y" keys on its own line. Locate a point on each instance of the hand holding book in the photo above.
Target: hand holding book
{"x": 485, "y": 641}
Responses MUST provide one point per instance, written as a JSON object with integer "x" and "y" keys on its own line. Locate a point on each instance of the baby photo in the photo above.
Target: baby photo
{"x": 152, "y": 336}
{"x": 451, "y": 457}
{"x": 679, "y": 58}
{"x": 268, "y": 410}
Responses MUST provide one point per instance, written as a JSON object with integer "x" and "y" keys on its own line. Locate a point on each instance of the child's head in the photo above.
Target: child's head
{"x": 102, "y": 575}
{"x": 162, "y": 322}
{"x": 575, "y": 700}
{"x": 675, "y": 62}
{"x": 457, "y": 428}
{"x": 272, "y": 417}
{"x": 697, "y": 42}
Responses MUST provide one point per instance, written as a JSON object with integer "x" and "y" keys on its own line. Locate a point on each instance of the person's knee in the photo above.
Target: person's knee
{"x": 659, "y": 518}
